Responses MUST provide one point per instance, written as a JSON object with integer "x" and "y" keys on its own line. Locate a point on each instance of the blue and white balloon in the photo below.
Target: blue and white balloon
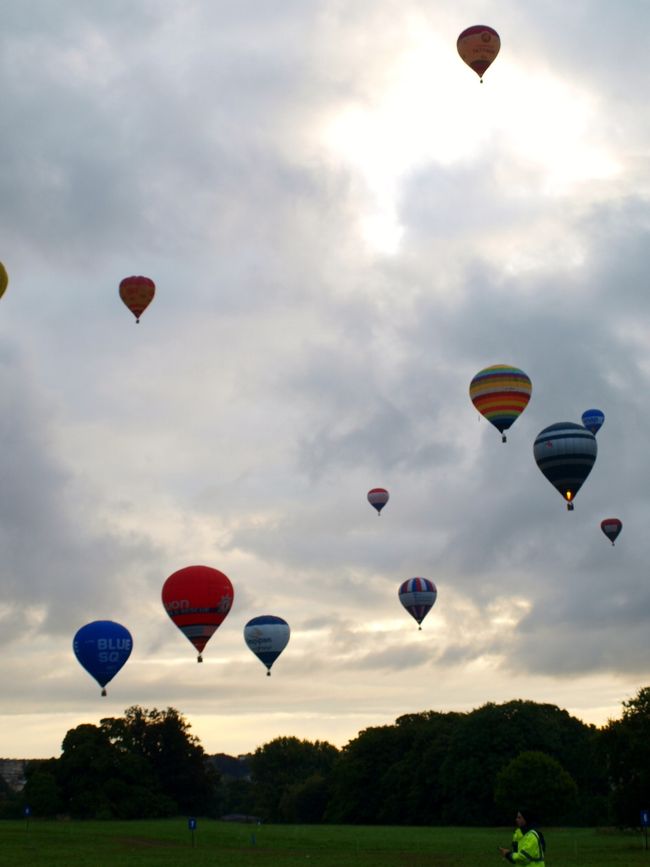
{"x": 593, "y": 420}
{"x": 266, "y": 637}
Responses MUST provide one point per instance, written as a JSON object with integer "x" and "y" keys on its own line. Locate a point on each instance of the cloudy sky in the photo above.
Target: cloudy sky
{"x": 343, "y": 226}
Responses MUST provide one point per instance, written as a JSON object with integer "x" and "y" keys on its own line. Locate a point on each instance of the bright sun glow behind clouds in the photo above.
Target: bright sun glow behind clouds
{"x": 435, "y": 111}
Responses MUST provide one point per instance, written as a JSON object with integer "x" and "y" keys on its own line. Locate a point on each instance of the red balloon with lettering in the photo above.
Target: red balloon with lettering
{"x": 478, "y": 46}
{"x": 198, "y": 599}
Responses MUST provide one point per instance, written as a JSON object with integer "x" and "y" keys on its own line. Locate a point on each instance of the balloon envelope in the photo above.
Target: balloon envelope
{"x": 378, "y": 497}
{"x": 102, "y": 647}
{"x": 267, "y": 636}
{"x": 4, "y": 279}
{"x": 198, "y": 599}
{"x": 593, "y": 419}
{"x": 478, "y": 46}
{"x": 611, "y": 527}
{"x": 500, "y": 393}
{"x": 137, "y": 293}
{"x": 565, "y": 453}
{"x": 418, "y": 596}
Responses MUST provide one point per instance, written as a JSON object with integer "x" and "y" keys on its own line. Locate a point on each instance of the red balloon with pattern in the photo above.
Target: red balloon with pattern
{"x": 137, "y": 293}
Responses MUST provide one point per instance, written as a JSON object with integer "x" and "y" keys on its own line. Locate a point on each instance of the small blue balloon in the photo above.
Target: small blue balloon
{"x": 102, "y": 647}
{"x": 593, "y": 419}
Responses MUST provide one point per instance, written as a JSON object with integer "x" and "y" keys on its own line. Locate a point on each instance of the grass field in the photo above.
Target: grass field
{"x": 169, "y": 842}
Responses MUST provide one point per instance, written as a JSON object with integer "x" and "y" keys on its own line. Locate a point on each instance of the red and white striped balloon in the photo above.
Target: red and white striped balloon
{"x": 378, "y": 497}
{"x": 611, "y": 527}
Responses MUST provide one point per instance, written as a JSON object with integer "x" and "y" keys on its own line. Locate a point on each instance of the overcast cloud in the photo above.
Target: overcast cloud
{"x": 343, "y": 226}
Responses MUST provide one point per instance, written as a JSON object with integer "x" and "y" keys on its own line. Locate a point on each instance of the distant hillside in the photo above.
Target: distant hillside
{"x": 231, "y": 767}
{"x": 12, "y": 771}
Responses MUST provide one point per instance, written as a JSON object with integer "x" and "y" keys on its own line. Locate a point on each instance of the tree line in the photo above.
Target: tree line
{"x": 428, "y": 768}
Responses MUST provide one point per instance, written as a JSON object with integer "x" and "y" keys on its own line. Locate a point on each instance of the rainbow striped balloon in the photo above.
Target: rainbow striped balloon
{"x": 500, "y": 393}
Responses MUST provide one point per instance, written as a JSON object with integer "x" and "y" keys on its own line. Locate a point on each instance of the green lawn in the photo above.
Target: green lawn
{"x": 92, "y": 844}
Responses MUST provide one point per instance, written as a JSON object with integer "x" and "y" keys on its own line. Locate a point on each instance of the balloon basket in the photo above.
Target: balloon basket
{"x": 104, "y": 692}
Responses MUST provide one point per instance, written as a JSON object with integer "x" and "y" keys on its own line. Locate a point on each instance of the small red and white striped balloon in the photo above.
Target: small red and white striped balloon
{"x": 378, "y": 497}
{"x": 611, "y": 527}
{"x": 418, "y": 596}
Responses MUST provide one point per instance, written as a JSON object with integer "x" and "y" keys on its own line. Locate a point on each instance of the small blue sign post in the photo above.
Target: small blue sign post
{"x": 191, "y": 824}
{"x": 27, "y": 812}
{"x": 645, "y": 821}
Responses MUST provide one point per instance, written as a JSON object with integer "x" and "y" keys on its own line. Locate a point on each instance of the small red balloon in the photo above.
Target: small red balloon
{"x": 611, "y": 527}
{"x": 137, "y": 293}
{"x": 378, "y": 497}
{"x": 198, "y": 599}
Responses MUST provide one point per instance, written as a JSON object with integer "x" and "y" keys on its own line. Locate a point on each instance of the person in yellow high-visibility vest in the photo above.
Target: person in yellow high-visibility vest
{"x": 517, "y": 835}
{"x": 528, "y": 844}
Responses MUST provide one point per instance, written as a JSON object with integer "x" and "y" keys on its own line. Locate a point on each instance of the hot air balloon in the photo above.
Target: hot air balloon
{"x": 611, "y": 527}
{"x": 267, "y": 636}
{"x": 378, "y": 497}
{"x": 565, "y": 453}
{"x": 102, "y": 647}
{"x": 4, "y": 279}
{"x": 593, "y": 419}
{"x": 478, "y": 46}
{"x": 198, "y": 598}
{"x": 418, "y": 596}
{"x": 137, "y": 293}
{"x": 500, "y": 393}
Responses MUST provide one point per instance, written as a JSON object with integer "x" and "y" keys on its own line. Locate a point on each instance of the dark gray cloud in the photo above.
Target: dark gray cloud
{"x": 60, "y": 566}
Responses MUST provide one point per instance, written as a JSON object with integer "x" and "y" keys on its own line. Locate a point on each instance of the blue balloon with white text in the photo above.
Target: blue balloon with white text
{"x": 267, "y": 636}
{"x": 102, "y": 648}
{"x": 593, "y": 419}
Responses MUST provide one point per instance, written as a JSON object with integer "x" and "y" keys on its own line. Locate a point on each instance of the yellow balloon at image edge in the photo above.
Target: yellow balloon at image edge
{"x": 4, "y": 279}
